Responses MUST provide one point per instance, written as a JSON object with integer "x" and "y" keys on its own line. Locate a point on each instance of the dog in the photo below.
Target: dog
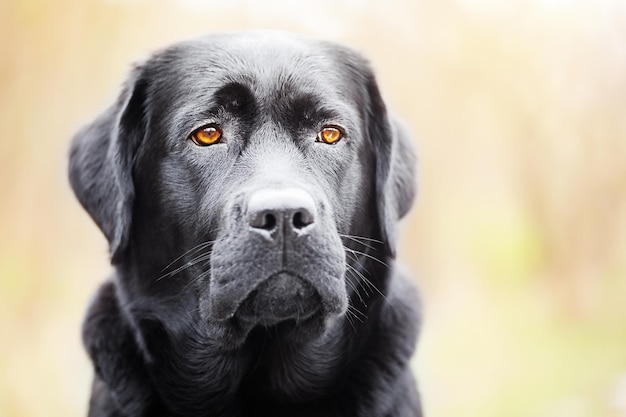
{"x": 250, "y": 187}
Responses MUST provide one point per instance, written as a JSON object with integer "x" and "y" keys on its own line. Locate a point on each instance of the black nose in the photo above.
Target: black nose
{"x": 286, "y": 210}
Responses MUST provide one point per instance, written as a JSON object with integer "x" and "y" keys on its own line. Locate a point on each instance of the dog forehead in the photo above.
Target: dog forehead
{"x": 266, "y": 62}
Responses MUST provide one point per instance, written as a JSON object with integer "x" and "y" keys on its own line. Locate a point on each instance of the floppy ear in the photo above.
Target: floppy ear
{"x": 121, "y": 380}
{"x": 101, "y": 160}
{"x": 395, "y": 166}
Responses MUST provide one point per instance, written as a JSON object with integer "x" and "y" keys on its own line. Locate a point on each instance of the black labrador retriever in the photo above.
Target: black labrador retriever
{"x": 250, "y": 187}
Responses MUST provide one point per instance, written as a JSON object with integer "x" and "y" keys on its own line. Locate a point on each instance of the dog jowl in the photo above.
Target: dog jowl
{"x": 249, "y": 186}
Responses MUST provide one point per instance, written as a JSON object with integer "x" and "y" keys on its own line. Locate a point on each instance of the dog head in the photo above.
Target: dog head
{"x": 253, "y": 171}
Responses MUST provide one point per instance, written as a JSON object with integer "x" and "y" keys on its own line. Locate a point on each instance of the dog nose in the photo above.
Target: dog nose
{"x": 283, "y": 209}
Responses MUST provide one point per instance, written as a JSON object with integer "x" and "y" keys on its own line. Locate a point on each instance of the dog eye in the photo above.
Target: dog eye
{"x": 207, "y": 135}
{"x": 330, "y": 135}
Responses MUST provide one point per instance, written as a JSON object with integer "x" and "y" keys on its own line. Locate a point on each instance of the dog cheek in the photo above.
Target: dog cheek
{"x": 348, "y": 197}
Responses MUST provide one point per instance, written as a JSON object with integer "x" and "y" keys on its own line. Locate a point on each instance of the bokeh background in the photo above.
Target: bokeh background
{"x": 518, "y": 241}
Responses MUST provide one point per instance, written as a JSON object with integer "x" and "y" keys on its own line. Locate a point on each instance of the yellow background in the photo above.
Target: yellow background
{"x": 518, "y": 240}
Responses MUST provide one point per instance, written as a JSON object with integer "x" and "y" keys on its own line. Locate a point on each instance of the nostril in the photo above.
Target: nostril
{"x": 264, "y": 220}
{"x": 269, "y": 222}
{"x": 301, "y": 220}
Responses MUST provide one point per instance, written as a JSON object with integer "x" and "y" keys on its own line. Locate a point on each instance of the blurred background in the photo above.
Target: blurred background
{"x": 518, "y": 240}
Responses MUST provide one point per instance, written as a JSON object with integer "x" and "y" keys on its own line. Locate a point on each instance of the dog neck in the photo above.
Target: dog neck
{"x": 186, "y": 371}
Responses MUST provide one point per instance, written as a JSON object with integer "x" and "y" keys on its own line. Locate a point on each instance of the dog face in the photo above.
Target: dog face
{"x": 241, "y": 176}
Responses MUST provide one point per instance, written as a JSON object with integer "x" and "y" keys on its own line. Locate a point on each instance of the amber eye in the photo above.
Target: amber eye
{"x": 329, "y": 135}
{"x": 208, "y": 135}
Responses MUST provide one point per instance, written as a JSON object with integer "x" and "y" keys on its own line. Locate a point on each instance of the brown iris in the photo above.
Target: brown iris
{"x": 208, "y": 135}
{"x": 330, "y": 135}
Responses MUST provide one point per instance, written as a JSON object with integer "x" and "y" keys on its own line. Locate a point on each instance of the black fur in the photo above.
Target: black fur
{"x": 214, "y": 309}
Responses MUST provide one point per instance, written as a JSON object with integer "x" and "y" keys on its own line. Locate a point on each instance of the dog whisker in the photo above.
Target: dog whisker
{"x": 359, "y": 242}
{"x": 377, "y": 290}
{"x": 354, "y": 271}
{"x": 356, "y": 252}
{"x": 203, "y": 275}
{"x": 190, "y": 312}
{"x": 349, "y": 320}
{"x": 367, "y": 281}
{"x": 356, "y": 290}
{"x": 201, "y": 258}
{"x": 195, "y": 248}
{"x": 358, "y": 261}
{"x": 353, "y": 310}
{"x": 361, "y": 238}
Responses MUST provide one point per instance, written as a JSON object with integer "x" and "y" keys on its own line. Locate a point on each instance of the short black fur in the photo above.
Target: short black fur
{"x": 207, "y": 314}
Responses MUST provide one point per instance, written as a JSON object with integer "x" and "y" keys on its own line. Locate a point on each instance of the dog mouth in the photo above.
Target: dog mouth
{"x": 267, "y": 268}
{"x": 283, "y": 296}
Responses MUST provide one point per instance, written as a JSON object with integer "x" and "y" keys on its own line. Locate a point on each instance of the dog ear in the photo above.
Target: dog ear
{"x": 395, "y": 166}
{"x": 101, "y": 161}
{"x": 121, "y": 380}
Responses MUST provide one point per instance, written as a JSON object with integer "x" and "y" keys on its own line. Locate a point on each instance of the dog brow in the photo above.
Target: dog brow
{"x": 310, "y": 109}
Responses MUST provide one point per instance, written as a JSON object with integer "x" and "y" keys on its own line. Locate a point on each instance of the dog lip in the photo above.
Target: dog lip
{"x": 242, "y": 261}
{"x": 282, "y": 296}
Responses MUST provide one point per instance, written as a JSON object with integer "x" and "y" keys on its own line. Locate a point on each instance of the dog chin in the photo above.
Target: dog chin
{"x": 284, "y": 305}
{"x": 283, "y": 296}
{"x": 233, "y": 333}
